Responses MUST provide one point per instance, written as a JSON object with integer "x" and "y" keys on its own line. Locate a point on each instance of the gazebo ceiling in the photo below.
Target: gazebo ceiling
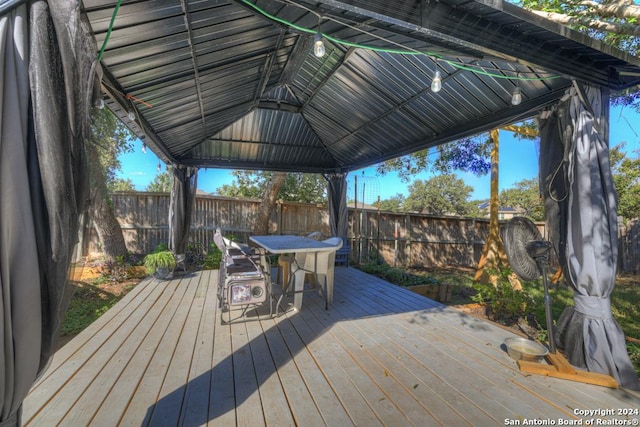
{"x": 235, "y": 84}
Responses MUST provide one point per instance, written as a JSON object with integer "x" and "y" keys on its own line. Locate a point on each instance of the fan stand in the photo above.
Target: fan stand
{"x": 558, "y": 366}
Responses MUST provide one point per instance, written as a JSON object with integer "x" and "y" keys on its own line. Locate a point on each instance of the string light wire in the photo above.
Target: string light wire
{"x": 403, "y": 51}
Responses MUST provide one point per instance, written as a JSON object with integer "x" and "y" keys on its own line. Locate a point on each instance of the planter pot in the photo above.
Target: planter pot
{"x": 162, "y": 273}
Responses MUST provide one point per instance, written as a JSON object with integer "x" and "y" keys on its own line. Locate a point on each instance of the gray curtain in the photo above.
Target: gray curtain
{"x": 584, "y": 223}
{"x": 183, "y": 196}
{"x": 338, "y": 213}
{"x": 42, "y": 182}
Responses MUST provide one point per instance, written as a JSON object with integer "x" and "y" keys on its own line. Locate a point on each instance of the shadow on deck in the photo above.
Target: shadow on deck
{"x": 381, "y": 355}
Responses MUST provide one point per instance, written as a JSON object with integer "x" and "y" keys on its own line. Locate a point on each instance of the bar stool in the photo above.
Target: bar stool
{"x": 284, "y": 265}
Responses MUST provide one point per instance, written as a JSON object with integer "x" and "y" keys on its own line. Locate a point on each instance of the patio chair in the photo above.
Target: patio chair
{"x": 324, "y": 265}
{"x": 242, "y": 281}
{"x": 320, "y": 266}
{"x": 284, "y": 264}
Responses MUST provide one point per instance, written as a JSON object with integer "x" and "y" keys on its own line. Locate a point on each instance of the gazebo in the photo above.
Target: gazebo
{"x": 326, "y": 86}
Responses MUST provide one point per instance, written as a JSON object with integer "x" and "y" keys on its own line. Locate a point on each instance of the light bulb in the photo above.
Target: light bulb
{"x": 436, "y": 83}
{"x": 159, "y": 167}
{"x": 516, "y": 98}
{"x": 144, "y": 148}
{"x": 318, "y": 46}
{"x": 99, "y": 104}
{"x": 131, "y": 115}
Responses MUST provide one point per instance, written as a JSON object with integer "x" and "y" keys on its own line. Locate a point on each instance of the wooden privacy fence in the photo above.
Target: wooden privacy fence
{"x": 402, "y": 239}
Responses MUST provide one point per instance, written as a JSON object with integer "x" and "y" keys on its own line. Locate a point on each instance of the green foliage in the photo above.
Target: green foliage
{"x": 119, "y": 184}
{"x": 442, "y": 194}
{"x": 634, "y": 354}
{"x": 88, "y": 303}
{"x": 111, "y": 138}
{"x": 298, "y": 187}
{"x": 161, "y": 183}
{"x": 526, "y": 196}
{"x": 467, "y": 154}
{"x": 393, "y": 204}
{"x": 156, "y": 260}
{"x": 195, "y": 255}
{"x": 504, "y": 303}
{"x": 213, "y": 258}
{"x": 397, "y": 276}
{"x": 626, "y": 178}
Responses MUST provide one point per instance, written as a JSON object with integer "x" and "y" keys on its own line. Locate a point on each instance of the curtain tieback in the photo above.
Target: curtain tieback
{"x": 594, "y": 307}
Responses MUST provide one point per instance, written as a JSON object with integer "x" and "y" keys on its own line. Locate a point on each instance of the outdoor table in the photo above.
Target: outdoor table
{"x": 300, "y": 247}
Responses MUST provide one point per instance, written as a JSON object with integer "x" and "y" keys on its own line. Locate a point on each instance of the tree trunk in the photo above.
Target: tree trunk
{"x": 105, "y": 222}
{"x": 493, "y": 254}
{"x": 269, "y": 198}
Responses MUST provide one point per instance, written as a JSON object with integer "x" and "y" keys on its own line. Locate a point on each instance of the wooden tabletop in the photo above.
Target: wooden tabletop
{"x": 279, "y": 244}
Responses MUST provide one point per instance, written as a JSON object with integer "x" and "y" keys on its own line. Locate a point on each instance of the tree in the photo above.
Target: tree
{"x": 108, "y": 138}
{"x": 393, "y": 204}
{"x": 612, "y": 20}
{"x": 626, "y": 178}
{"x": 615, "y": 22}
{"x": 120, "y": 184}
{"x": 269, "y": 198}
{"x": 440, "y": 195}
{"x": 525, "y": 196}
{"x": 161, "y": 183}
{"x": 467, "y": 154}
{"x": 297, "y": 187}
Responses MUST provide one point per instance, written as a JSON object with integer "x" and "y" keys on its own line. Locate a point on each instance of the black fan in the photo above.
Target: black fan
{"x": 528, "y": 255}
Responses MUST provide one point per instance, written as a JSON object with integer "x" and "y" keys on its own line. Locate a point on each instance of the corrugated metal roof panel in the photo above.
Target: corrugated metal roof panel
{"x": 217, "y": 82}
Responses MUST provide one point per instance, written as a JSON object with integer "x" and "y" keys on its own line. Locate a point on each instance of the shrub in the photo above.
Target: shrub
{"x": 504, "y": 303}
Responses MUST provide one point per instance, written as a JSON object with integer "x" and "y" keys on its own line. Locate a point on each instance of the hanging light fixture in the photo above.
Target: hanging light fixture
{"x": 131, "y": 114}
{"x": 436, "y": 83}
{"x": 144, "y": 148}
{"x": 318, "y": 43}
{"x": 99, "y": 103}
{"x": 159, "y": 167}
{"x": 516, "y": 97}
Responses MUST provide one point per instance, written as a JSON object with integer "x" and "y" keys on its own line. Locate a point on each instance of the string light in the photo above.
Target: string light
{"x": 404, "y": 51}
{"x": 516, "y": 97}
{"x": 144, "y": 148}
{"x": 159, "y": 167}
{"x": 436, "y": 83}
{"x": 318, "y": 45}
{"x": 99, "y": 104}
{"x": 131, "y": 114}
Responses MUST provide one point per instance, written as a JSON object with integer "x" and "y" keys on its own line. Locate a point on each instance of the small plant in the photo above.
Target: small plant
{"x": 162, "y": 259}
{"x": 213, "y": 258}
{"x": 195, "y": 255}
{"x": 504, "y": 303}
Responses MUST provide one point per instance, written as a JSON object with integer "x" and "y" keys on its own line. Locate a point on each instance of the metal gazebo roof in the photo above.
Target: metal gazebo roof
{"x": 235, "y": 84}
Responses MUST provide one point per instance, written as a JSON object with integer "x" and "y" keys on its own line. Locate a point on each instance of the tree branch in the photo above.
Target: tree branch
{"x": 596, "y": 24}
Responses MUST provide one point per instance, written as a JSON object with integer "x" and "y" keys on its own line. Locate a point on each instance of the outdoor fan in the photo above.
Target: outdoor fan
{"x": 528, "y": 255}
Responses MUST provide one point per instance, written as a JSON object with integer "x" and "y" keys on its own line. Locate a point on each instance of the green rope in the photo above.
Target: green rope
{"x": 394, "y": 51}
{"x": 106, "y": 39}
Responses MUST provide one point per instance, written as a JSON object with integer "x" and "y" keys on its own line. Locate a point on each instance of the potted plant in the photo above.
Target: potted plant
{"x": 160, "y": 263}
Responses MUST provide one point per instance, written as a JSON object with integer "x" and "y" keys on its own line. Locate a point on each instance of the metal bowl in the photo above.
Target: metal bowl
{"x": 524, "y": 349}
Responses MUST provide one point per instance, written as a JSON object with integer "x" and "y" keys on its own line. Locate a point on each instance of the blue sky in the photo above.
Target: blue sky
{"x": 518, "y": 161}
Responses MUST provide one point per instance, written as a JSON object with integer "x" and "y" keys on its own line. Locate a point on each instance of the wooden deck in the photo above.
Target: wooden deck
{"x": 381, "y": 355}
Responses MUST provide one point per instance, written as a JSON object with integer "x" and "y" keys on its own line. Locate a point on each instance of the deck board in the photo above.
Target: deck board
{"x": 382, "y": 355}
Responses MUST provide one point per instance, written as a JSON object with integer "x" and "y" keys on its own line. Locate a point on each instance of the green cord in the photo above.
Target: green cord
{"x": 393, "y": 51}
{"x": 346, "y": 43}
{"x": 106, "y": 39}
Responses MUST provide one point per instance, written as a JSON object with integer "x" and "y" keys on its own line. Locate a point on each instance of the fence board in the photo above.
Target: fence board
{"x": 401, "y": 239}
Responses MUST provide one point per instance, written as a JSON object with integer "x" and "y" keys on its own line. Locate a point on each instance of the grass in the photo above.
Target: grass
{"x": 88, "y": 303}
